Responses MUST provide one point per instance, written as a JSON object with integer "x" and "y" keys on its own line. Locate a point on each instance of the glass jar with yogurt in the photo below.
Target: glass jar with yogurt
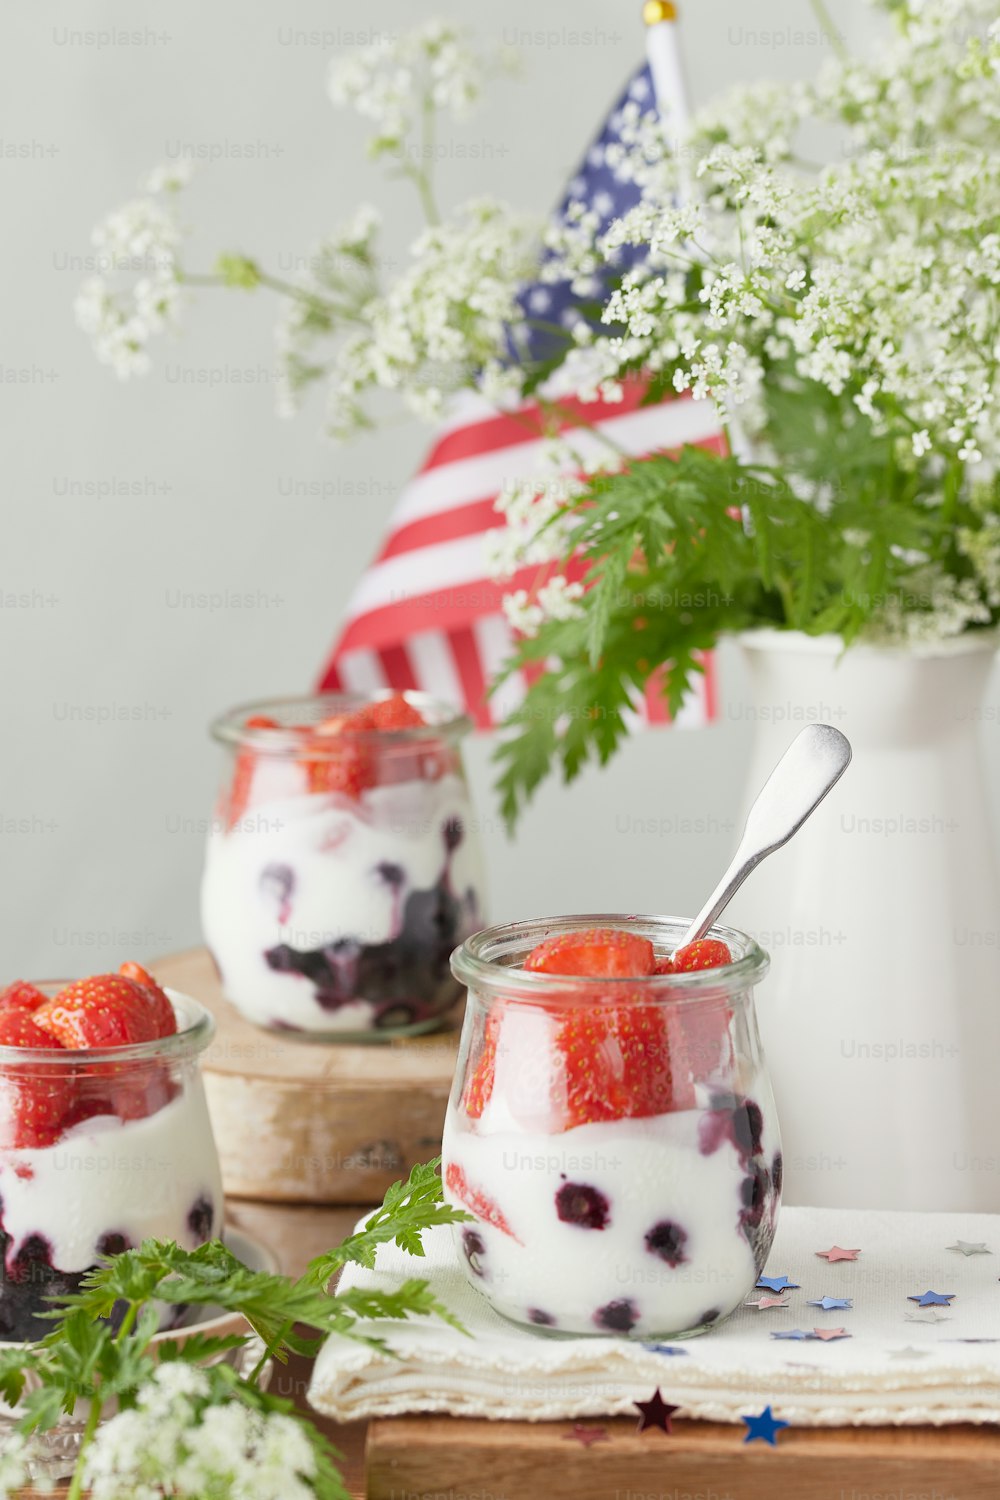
{"x": 100, "y": 1148}
{"x": 342, "y": 865}
{"x": 614, "y": 1138}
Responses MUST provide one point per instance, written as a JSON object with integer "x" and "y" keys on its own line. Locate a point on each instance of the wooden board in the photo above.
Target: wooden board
{"x": 315, "y": 1122}
{"x": 451, "y": 1458}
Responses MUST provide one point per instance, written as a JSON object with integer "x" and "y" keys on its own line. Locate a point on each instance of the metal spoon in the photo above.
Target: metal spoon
{"x": 813, "y": 763}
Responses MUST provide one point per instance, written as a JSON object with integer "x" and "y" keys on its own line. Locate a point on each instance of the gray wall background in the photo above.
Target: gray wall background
{"x": 102, "y": 823}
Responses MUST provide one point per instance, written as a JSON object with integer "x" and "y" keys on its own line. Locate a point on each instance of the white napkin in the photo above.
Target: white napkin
{"x": 898, "y": 1366}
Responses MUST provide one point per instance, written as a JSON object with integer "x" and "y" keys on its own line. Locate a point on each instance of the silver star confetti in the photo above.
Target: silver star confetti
{"x": 968, "y": 1248}
{"x": 909, "y": 1353}
{"x": 928, "y": 1315}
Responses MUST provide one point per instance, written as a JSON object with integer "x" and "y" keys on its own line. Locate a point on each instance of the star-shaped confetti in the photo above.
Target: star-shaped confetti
{"x": 586, "y": 1435}
{"x": 776, "y": 1284}
{"x": 765, "y": 1302}
{"x": 836, "y": 1253}
{"x": 792, "y": 1333}
{"x": 909, "y": 1353}
{"x": 655, "y": 1413}
{"x": 928, "y": 1315}
{"x": 665, "y": 1349}
{"x": 829, "y": 1303}
{"x": 972, "y": 1341}
{"x": 933, "y": 1299}
{"x": 831, "y": 1333}
{"x": 766, "y": 1426}
{"x": 968, "y": 1248}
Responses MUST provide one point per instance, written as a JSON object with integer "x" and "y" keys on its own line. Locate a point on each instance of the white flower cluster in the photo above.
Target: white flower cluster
{"x": 443, "y": 325}
{"x": 140, "y": 241}
{"x": 15, "y": 1467}
{"x": 389, "y": 81}
{"x": 175, "y": 1442}
{"x": 875, "y": 279}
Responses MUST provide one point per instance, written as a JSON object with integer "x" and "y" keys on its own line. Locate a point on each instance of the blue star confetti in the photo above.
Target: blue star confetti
{"x": 766, "y": 1427}
{"x": 829, "y": 1303}
{"x": 777, "y": 1284}
{"x": 665, "y": 1349}
{"x": 933, "y": 1299}
{"x": 793, "y": 1333}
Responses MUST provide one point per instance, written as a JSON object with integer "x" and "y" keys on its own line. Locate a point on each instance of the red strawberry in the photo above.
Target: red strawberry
{"x": 475, "y": 1199}
{"x": 106, "y": 1010}
{"x": 394, "y": 713}
{"x": 35, "y": 1099}
{"x": 163, "y": 1011}
{"x": 664, "y": 966}
{"x": 600, "y": 952}
{"x": 479, "y": 1086}
{"x": 21, "y": 996}
{"x": 706, "y": 953}
{"x": 239, "y": 792}
{"x": 618, "y": 1064}
{"x": 347, "y": 764}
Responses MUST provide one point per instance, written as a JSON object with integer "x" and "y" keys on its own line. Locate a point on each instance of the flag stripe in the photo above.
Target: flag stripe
{"x": 470, "y": 671}
{"x": 445, "y": 526}
{"x": 396, "y": 666}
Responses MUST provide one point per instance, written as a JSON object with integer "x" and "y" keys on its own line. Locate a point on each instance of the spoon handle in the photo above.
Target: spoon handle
{"x": 813, "y": 763}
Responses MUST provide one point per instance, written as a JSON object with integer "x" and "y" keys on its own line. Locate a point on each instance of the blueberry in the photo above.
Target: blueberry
{"x": 577, "y": 1204}
{"x": 453, "y": 833}
{"x": 667, "y": 1240}
{"x": 277, "y": 882}
{"x": 777, "y": 1171}
{"x": 391, "y": 874}
{"x": 113, "y": 1243}
{"x": 618, "y": 1317}
{"x": 199, "y": 1220}
{"x": 736, "y": 1120}
{"x": 474, "y": 1250}
{"x": 543, "y": 1319}
{"x": 753, "y": 1195}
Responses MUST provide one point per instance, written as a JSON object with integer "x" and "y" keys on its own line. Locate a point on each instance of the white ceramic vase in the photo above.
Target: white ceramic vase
{"x": 881, "y": 1016}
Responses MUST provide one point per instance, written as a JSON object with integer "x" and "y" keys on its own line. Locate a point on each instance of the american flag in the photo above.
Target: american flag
{"x": 426, "y": 615}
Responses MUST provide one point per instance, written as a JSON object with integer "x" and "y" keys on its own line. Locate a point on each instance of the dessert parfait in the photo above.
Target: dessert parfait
{"x": 105, "y": 1138}
{"x": 612, "y": 1129}
{"x": 342, "y": 865}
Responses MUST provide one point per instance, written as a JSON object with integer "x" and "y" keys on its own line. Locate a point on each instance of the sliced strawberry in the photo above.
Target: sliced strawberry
{"x": 394, "y": 713}
{"x": 347, "y": 764}
{"x": 246, "y": 760}
{"x": 479, "y": 1085}
{"x": 163, "y": 1011}
{"x": 21, "y": 996}
{"x": 601, "y": 952}
{"x": 617, "y": 1064}
{"x": 664, "y": 966}
{"x": 701, "y": 1039}
{"x": 475, "y": 1199}
{"x": 106, "y": 1010}
{"x": 706, "y": 953}
{"x": 35, "y": 1096}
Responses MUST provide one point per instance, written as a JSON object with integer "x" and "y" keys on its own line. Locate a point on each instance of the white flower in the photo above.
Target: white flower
{"x": 169, "y": 177}
{"x": 921, "y": 443}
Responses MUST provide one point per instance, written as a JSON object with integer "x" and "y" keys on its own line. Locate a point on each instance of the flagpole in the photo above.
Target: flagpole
{"x": 663, "y": 54}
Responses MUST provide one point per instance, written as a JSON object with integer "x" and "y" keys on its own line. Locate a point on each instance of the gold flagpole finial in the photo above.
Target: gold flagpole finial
{"x": 655, "y": 11}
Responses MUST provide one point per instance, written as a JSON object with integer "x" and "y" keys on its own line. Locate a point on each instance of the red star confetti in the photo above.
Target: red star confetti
{"x": 765, "y": 1302}
{"x": 836, "y": 1253}
{"x": 655, "y": 1413}
{"x": 586, "y": 1435}
{"x": 831, "y": 1333}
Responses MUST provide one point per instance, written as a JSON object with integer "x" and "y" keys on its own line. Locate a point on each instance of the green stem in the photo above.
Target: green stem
{"x": 127, "y": 1323}
{"x": 269, "y": 1349}
{"x": 93, "y": 1419}
{"x": 275, "y": 284}
{"x": 825, "y": 20}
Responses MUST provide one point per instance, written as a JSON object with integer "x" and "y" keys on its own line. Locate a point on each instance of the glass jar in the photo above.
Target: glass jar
{"x": 342, "y": 868}
{"x": 99, "y": 1150}
{"x": 615, "y": 1140}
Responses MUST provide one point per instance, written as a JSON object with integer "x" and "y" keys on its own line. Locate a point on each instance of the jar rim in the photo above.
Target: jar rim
{"x": 193, "y": 1038}
{"x": 475, "y": 963}
{"x": 441, "y": 721}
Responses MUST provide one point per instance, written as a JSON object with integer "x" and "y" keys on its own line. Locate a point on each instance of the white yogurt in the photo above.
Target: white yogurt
{"x": 645, "y": 1173}
{"x": 309, "y": 871}
{"x": 138, "y": 1178}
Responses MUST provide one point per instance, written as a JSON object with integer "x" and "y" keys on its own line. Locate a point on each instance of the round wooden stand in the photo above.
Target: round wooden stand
{"x": 313, "y": 1122}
